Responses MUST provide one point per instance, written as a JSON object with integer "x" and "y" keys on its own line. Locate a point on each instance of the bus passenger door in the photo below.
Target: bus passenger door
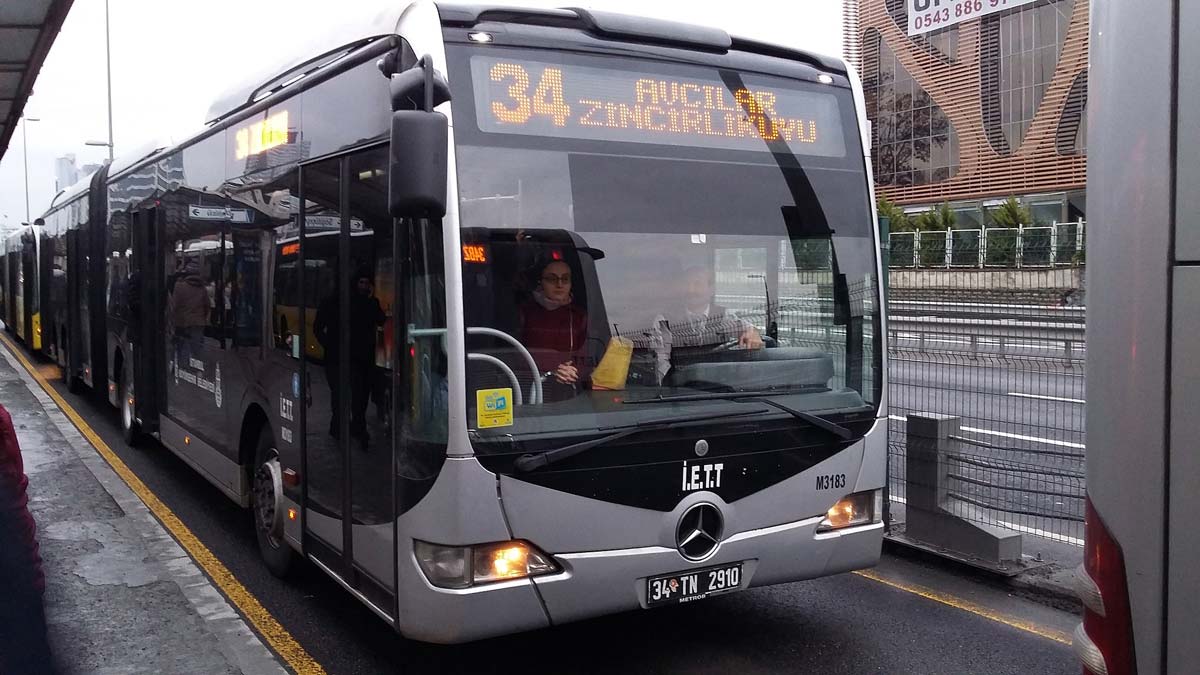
{"x": 47, "y": 326}
{"x": 372, "y": 355}
{"x": 143, "y": 296}
{"x": 323, "y": 294}
{"x": 70, "y": 348}
{"x": 349, "y": 293}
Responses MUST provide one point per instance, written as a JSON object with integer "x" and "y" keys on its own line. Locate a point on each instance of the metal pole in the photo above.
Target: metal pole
{"x": 108, "y": 65}
{"x": 25, "y": 153}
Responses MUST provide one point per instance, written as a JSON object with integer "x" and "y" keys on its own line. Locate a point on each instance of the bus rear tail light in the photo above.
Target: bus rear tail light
{"x": 1104, "y": 641}
{"x": 466, "y": 566}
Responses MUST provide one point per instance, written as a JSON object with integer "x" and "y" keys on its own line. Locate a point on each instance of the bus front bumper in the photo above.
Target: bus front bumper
{"x": 604, "y": 582}
{"x": 595, "y": 583}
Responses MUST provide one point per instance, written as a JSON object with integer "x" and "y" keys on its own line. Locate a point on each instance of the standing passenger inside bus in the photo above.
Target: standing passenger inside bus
{"x": 188, "y": 307}
{"x": 366, "y": 316}
{"x": 555, "y": 331}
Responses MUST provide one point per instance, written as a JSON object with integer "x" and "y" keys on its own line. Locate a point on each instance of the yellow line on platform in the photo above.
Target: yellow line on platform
{"x": 279, "y": 639}
{"x": 968, "y": 606}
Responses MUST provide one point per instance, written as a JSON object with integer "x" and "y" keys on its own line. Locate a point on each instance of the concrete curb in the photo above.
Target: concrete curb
{"x": 1048, "y": 584}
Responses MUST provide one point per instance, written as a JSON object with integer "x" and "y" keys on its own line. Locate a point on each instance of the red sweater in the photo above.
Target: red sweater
{"x": 555, "y": 336}
{"x": 14, "y": 509}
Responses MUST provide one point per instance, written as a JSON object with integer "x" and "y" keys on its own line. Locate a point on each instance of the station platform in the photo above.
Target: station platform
{"x": 122, "y": 596}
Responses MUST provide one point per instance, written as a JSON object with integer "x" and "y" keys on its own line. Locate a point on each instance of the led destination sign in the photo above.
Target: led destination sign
{"x": 568, "y": 101}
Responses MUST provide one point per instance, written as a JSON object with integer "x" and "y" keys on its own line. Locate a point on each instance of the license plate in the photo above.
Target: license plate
{"x": 670, "y": 589}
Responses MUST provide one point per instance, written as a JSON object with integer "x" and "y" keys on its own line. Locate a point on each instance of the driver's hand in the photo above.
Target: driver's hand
{"x": 750, "y": 339}
{"x": 566, "y": 373}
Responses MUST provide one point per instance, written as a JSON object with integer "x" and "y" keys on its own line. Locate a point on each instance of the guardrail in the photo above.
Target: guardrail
{"x": 1061, "y": 313}
{"x": 996, "y": 327}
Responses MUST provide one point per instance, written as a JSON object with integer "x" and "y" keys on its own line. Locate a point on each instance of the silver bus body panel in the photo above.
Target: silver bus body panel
{"x": 326, "y": 528}
{"x": 209, "y": 462}
{"x": 872, "y": 473}
{"x": 463, "y": 507}
{"x": 1127, "y": 339}
{"x": 1183, "y": 580}
{"x": 1183, "y": 538}
{"x": 373, "y": 551}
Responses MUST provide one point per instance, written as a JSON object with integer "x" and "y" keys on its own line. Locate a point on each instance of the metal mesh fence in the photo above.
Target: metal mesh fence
{"x": 1056, "y": 245}
{"x": 1002, "y": 349}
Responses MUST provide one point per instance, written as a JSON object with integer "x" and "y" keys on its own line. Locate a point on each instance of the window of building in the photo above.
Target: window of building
{"x": 1019, "y": 51}
{"x": 1071, "y": 138}
{"x": 913, "y": 141}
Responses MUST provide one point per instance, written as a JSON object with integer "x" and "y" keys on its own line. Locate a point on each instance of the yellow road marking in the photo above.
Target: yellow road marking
{"x": 968, "y": 606}
{"x": 275, "y": 634}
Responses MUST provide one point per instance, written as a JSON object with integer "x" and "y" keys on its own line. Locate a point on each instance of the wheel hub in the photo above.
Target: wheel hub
{"x": 268, "y": 488}
{"x": 126, "y": 410}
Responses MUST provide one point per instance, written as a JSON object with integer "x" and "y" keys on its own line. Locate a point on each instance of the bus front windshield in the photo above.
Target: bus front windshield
{"x": 636, "y": 232}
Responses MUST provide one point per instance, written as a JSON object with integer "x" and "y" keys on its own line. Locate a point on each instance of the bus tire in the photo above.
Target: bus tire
{"x": 73, "y": 383}
{"x": 130, "y": 430}
{"x": 265, "y": 507}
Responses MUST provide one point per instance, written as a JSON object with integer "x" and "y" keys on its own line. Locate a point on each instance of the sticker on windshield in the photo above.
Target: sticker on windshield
{"x": 493, "y": 408}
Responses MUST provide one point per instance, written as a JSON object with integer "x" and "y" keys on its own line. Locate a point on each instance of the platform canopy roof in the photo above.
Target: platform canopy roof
{"x": 27, "y": 30}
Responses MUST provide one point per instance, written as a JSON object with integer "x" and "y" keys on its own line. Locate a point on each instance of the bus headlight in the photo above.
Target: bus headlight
{"x": 860, "y": 508}
{"x": 466, "y": 566}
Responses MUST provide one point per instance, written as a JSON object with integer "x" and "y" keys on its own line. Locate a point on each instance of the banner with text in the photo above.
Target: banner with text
{"x": 929, "y": 15}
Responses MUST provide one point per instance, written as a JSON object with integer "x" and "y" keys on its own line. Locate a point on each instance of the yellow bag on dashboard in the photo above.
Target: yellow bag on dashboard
{"x": 614, "y": 365}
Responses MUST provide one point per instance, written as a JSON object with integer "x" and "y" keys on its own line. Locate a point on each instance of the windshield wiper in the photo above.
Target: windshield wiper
{"x": 527, "y": 463}
{"x": 760, "y": 397}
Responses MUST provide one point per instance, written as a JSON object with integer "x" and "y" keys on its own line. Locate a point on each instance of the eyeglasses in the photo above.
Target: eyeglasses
{"x": 563, "y": 279}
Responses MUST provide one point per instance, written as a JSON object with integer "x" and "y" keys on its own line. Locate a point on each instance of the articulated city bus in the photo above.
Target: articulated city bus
{"x": 507, "y": 318}
{"x": 22, "y": 268}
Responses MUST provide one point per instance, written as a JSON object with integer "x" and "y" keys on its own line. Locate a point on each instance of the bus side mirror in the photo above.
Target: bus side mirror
{"x": 417, "y": 164}
{"x": 417, "y": 161}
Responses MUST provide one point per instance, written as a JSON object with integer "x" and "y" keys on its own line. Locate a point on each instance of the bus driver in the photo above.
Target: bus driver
{"x": 699, "y": 322}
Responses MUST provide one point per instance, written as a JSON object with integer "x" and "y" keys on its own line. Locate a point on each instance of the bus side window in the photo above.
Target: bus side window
{"x": 243, "y": 287}
{"x": 425, "y": 376}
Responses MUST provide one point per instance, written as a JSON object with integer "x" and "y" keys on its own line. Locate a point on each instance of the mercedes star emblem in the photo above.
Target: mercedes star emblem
{"x": 699, "y": 531}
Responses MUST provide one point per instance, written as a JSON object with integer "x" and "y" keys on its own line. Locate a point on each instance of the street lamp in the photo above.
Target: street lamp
{"x": 108, "y": 70}
{"x": 108, "y": 67}
{"x": 101, "y": 144}
{"x": 25, "y": 154}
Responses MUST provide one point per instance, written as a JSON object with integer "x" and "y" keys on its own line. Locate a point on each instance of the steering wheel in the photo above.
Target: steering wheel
{"x": 732, "y": 344}
{"x": 725, "y": 346}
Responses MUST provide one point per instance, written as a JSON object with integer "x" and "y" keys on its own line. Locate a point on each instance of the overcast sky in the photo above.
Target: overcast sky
{"x": 171, "y": 58}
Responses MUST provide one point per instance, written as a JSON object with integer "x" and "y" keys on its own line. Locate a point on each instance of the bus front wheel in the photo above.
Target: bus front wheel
{"x": 266, "y": 495}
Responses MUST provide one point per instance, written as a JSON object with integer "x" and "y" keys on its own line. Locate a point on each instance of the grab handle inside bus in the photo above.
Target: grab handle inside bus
{"x": 419, "y": 143}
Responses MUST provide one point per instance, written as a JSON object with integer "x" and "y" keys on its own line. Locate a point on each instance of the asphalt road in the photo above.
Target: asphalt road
{"x": 843, "y": 624}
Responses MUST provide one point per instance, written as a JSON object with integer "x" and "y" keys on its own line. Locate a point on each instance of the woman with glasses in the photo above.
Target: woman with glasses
{"x": 555, "y": 330}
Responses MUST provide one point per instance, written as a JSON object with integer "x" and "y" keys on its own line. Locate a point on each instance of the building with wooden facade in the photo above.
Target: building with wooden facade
{"x": 973, "y": 101}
